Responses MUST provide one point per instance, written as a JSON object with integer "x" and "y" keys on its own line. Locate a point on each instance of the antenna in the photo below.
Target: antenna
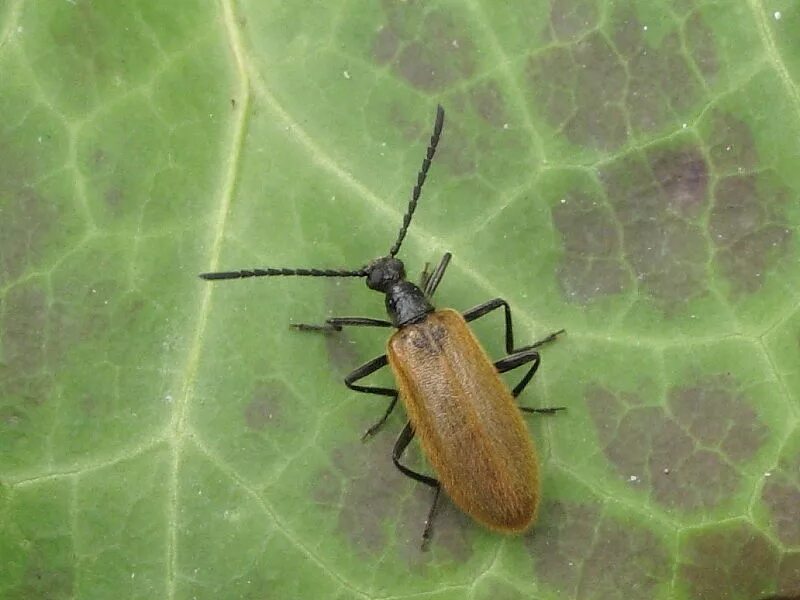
{"x": 363, "y": 271}
{"x": 423, "y": 173}
{"x": 285, "y": 272}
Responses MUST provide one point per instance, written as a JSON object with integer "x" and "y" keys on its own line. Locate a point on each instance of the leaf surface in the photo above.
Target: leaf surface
{"x": 626, "y": 171}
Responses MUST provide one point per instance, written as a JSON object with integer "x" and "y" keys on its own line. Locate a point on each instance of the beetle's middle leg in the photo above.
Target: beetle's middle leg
{"x": 399, "y": 447}
{"x": 363, "y": 371}
{"x": 519, "y": 358}
{"x": 484, "y": 309}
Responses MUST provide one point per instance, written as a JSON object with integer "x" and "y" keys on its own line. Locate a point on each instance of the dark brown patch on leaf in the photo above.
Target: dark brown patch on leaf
{"x": 781, "y": 495}
{"x": 682, "y": 176}
{"x": 749, "y": 229}
{"x": 24, "y": 328}
{"x": 705, "y": 433}
{"x": 607, "y": 85}
{"x": 700, "y": 41}
{"x": 496, "y": 589}
{"x": 551, "y": 76}
{"x": 385, "y": 45}
{"x": 25, "y": 380}
{"x": 27, "y": 220}
{"x": 653, "y": 198}
{"x": 375, "y": 494}
{"x": 430, "y": 50}
{"x": 571, "y": 19}
{"x": 731, "y": 145}
{"x": 747, "y": 224}
{"x": 488, "y": 101}
{"x": 599, "y": 120}
{"x": 586, "y": 555}
{"x": 732, "y": 560}
{"x": 264, "y": 408}
{"x": 592, "y": 265}
{"x": 658, "y": 200}
{"x": 789, "y": 576}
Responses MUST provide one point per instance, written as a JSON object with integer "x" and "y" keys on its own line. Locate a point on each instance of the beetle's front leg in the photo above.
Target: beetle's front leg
{"x": 336, "y": 324}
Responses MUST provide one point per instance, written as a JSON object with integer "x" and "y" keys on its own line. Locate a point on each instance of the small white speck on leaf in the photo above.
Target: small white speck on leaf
{"x": 346, "y": 74}
{"x": 633, "y": 478}
{"x": 685, "y": 125}
{"x": 666, "y": 471}
{"x": 777, "y": 15}
{"x": 644, "y": 28}
{"x": 768, "y": 473}
{"x": 505, "y": 125}
{"x": 563, "y": 201}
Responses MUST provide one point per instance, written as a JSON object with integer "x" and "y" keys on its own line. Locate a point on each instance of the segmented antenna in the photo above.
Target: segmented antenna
{"x": 363, "y": 271}
{"x": 285, "y": 272}
{"x": 423, "y": 172}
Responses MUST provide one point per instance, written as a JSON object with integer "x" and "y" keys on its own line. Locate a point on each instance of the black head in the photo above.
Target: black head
{"x": 405, "y": 302}
{"x": 383, "y": 273}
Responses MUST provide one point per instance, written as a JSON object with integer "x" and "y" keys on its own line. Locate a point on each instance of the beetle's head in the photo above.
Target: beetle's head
{"x": 384, "y": 272}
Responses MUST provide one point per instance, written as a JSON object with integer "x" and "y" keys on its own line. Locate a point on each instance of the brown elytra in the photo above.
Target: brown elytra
{"x": 466, "y": 420}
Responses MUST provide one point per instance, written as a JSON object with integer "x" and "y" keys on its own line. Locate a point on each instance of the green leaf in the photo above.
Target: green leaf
{"x": 626, "y": 171}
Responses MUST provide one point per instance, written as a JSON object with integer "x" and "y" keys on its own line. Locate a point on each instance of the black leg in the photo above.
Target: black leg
{"x": 399, "y": 447}
{"x": 379, "y": 423}
{"x": 336, "y": 324}
{"x": 361, "y": 372}
{"x": 424, "y": 276}
{"x": 519, "y": 358}
{"x": 426, "y": 533}
{"x": 432, "y": 282}
{"x": 483, "y": 309}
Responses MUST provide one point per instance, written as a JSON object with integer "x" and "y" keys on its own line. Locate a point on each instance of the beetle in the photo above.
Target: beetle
{"x": 465, "y": 417}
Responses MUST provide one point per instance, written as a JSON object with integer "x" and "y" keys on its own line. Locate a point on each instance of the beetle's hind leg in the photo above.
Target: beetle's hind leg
{"x": 517, "y": 359}
{"x": 399, "y": 447}
{"x": 336, "y": 324}
{"x": 363, "y": 371}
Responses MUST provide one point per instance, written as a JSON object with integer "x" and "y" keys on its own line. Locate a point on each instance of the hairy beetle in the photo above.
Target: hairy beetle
{"x": 465, "y": 417}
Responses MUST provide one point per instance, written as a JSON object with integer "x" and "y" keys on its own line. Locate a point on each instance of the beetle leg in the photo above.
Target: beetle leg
{"x": 426, "y": 533}
{"x": 430, "y": 283}
{"x": 336, "y": 323}
{"x": 379, "y": 423}
{"x": 399, "y": 447}
{"x": 361, "y": 372}
{"x": 483, "y": 309}
{"x": 519, "y": 358}
{"x": 425, "y": 276}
